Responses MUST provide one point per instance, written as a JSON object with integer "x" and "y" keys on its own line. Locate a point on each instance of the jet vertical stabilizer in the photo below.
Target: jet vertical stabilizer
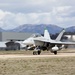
{"x": 47, "y": 35}
{"x": 60, "y": 35}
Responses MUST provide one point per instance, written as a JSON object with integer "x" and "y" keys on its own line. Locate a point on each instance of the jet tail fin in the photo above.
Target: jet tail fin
{"x": 46, "y": 34}
{"x": 60, "y": 35}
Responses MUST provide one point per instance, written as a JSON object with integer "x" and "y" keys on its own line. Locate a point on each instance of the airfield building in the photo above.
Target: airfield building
{"x": 16, "y": 36}
{"x": 7, "y": 40}
{"x": 71, "y": 38}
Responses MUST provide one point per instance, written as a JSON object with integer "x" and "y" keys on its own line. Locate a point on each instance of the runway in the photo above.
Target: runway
{"x": 37, "y": 56}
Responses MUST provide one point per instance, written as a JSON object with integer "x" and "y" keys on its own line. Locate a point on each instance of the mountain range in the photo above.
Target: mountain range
{"x": 2, "y": 30}
{"x": 39, "y": 28}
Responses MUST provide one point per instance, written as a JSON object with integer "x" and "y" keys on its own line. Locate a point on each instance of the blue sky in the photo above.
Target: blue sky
{"x": 14, "y": 13}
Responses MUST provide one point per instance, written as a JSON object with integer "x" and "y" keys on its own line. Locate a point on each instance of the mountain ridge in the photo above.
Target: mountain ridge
{"x": 39, "y": 28}
{"x": 1, "y": 30}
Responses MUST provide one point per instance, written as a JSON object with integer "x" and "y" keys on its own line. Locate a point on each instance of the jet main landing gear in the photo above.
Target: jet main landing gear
{"x": 55, "y": 52}
{"x": 37, "y": 52}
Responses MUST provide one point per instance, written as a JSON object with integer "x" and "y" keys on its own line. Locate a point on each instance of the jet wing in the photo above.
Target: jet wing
{"x": 63, "y": 43}
{"x": 53, "y": 41}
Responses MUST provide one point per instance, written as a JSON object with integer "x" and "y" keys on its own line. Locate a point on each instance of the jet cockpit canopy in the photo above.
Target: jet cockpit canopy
{"x": 36, "y": 35}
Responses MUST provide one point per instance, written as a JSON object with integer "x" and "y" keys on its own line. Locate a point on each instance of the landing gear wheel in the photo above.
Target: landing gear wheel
{"x": 55, "y": 52}
{"x": 34, "y": 52}
{"x": 39, "y": 52}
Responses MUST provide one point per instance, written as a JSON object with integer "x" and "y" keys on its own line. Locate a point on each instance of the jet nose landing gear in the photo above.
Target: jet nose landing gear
{"x": 37, "y": 52}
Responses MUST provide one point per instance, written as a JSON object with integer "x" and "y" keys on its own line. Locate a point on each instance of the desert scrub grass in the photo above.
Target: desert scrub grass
{"x": 24, "y": 52}
{"x": 38, "y": 66}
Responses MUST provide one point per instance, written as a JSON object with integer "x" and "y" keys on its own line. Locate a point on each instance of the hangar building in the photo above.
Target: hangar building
{"x": 16, "y": 36}
{"x": 7, "y": 40}
{"x": 71, "y": 38}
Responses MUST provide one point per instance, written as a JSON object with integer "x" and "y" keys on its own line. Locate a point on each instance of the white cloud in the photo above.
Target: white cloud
{"x": 12, "y": 20}
{"x": 63, "y": 16}
{"x": 2, "y": 14}
{"x": 17, "y": 12}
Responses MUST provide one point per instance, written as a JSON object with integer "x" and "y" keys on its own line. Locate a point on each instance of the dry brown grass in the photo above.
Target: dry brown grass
{"x": 38, "y": 66}
{"x": 16, "y": 52}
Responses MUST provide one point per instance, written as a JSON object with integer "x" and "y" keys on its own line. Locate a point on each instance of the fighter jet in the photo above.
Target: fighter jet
{"x": 52, "y": 45}
{"x": 44, "y": 42}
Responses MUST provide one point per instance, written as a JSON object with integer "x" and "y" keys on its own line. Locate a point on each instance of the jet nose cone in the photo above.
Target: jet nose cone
{"x": 29, "y": 41}
{"x": 25, "y": 42}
